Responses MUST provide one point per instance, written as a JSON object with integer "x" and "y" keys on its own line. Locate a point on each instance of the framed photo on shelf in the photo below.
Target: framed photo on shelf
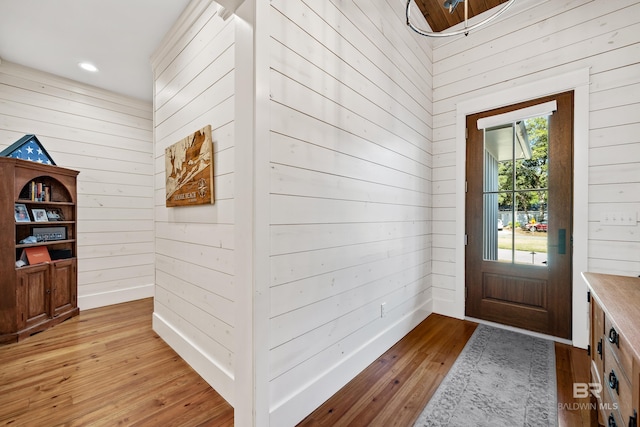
{"x": 21, "y": 213}
{"x": 48, "y": 234}
{"x": 55, "y": 214}
{"x": 39, "y": 215}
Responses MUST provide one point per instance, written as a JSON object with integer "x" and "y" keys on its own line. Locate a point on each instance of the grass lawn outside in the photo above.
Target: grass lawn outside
{"x": 524, "y": 240}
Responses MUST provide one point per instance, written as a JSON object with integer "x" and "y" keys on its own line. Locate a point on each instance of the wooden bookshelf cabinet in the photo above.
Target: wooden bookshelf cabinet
{"x": 36, "y": 297}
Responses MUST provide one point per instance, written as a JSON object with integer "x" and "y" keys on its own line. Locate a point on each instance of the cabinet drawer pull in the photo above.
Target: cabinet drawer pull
{"x": 613, "y": 382}
{"x": 612, "y": 421}
{"x": 613, "y": 337}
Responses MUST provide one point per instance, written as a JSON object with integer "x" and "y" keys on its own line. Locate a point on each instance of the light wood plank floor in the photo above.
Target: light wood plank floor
{"x": 107, "y": 367}
{"x": 395, "y": 388}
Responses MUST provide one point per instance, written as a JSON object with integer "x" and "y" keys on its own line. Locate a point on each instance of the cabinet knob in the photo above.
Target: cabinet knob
{"x": 613, "y": 337}
{"x": 613, "y": 382}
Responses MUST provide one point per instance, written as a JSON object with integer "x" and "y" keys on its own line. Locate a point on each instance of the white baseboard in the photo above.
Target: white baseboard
{"x": 308, "y": 399}
{"x": 448, "y": 308}
{"x": 210, "y": 371}
{"x": 102, "y": 299}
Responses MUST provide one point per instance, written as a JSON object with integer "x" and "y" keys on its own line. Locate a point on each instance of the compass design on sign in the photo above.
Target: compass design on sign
{"x": 202, "y": 187}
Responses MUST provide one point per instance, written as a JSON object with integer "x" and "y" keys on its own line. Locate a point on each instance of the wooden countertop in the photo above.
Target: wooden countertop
{"x": 619, "y": 297}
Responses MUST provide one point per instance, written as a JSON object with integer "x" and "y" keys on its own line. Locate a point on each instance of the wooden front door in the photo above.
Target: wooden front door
{"x": 519, "y": 215}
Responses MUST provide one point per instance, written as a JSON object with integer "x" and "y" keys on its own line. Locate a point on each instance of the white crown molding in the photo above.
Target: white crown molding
{"x": 229, "y": 7}
{"x": 186, "y": 20}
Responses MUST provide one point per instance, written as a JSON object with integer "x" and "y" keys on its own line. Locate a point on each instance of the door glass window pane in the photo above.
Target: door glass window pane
{"x": 515, "y": 192}
{"x": 530, "y": 240}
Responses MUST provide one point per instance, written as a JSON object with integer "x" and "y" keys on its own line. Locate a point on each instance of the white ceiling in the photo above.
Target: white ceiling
{"x": 118, "y": 36}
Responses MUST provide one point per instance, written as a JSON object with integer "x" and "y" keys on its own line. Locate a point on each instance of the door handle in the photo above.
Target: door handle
{"x": 562, "y": 241}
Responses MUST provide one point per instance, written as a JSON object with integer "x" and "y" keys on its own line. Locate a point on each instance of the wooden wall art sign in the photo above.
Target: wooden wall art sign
{"x": 189, "y": 170}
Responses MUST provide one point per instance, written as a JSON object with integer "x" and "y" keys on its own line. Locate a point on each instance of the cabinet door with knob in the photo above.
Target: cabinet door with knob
{"x": 597, "y": 349}
{"x": 63, "y": 286}
{"x": 35, "y": 296}
{"x": 45, "y": 292}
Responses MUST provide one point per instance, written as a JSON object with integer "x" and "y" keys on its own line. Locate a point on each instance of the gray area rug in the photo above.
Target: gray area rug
{"x": 501, "y": 378}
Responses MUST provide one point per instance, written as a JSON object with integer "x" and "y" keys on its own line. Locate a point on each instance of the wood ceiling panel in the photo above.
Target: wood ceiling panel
{"x": 439, "y": 18}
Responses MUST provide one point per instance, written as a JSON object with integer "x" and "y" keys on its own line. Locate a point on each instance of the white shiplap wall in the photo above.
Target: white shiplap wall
{"x": 108, "y": 138}
{"x": 540, "y": 40}
{"x": 195, "y": 257}
{"x": 350, "y": 193}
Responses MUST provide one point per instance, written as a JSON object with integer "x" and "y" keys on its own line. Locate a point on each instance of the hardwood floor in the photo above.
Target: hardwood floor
{"x": 394, "y": 389}
{"x": 107, "y": 367}
{"x": 572, "y": 366}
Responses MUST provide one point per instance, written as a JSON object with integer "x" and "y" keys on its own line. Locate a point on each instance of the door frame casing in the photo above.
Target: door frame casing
{"x": 578, "y": 82}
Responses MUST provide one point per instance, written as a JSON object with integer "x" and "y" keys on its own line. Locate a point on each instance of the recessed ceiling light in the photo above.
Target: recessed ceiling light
{"x": 88, "y": 66}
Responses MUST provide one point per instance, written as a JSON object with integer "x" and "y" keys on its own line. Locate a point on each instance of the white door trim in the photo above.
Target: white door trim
{"x": 578, "y": 81}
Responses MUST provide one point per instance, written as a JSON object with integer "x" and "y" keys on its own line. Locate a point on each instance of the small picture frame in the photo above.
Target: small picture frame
{"x": 21, "y": 213}
{"x": 55, "y": 214}
{"x": 48, "y": 234}
{"x": 39, "y": 215}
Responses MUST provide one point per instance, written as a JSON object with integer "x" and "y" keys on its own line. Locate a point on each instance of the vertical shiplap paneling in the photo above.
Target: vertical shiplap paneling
{"x": 536, "y": 41}
{"x": 108, "y": 138}
{"x": 194, "y": 246}
{"x": 350, "y": 193}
